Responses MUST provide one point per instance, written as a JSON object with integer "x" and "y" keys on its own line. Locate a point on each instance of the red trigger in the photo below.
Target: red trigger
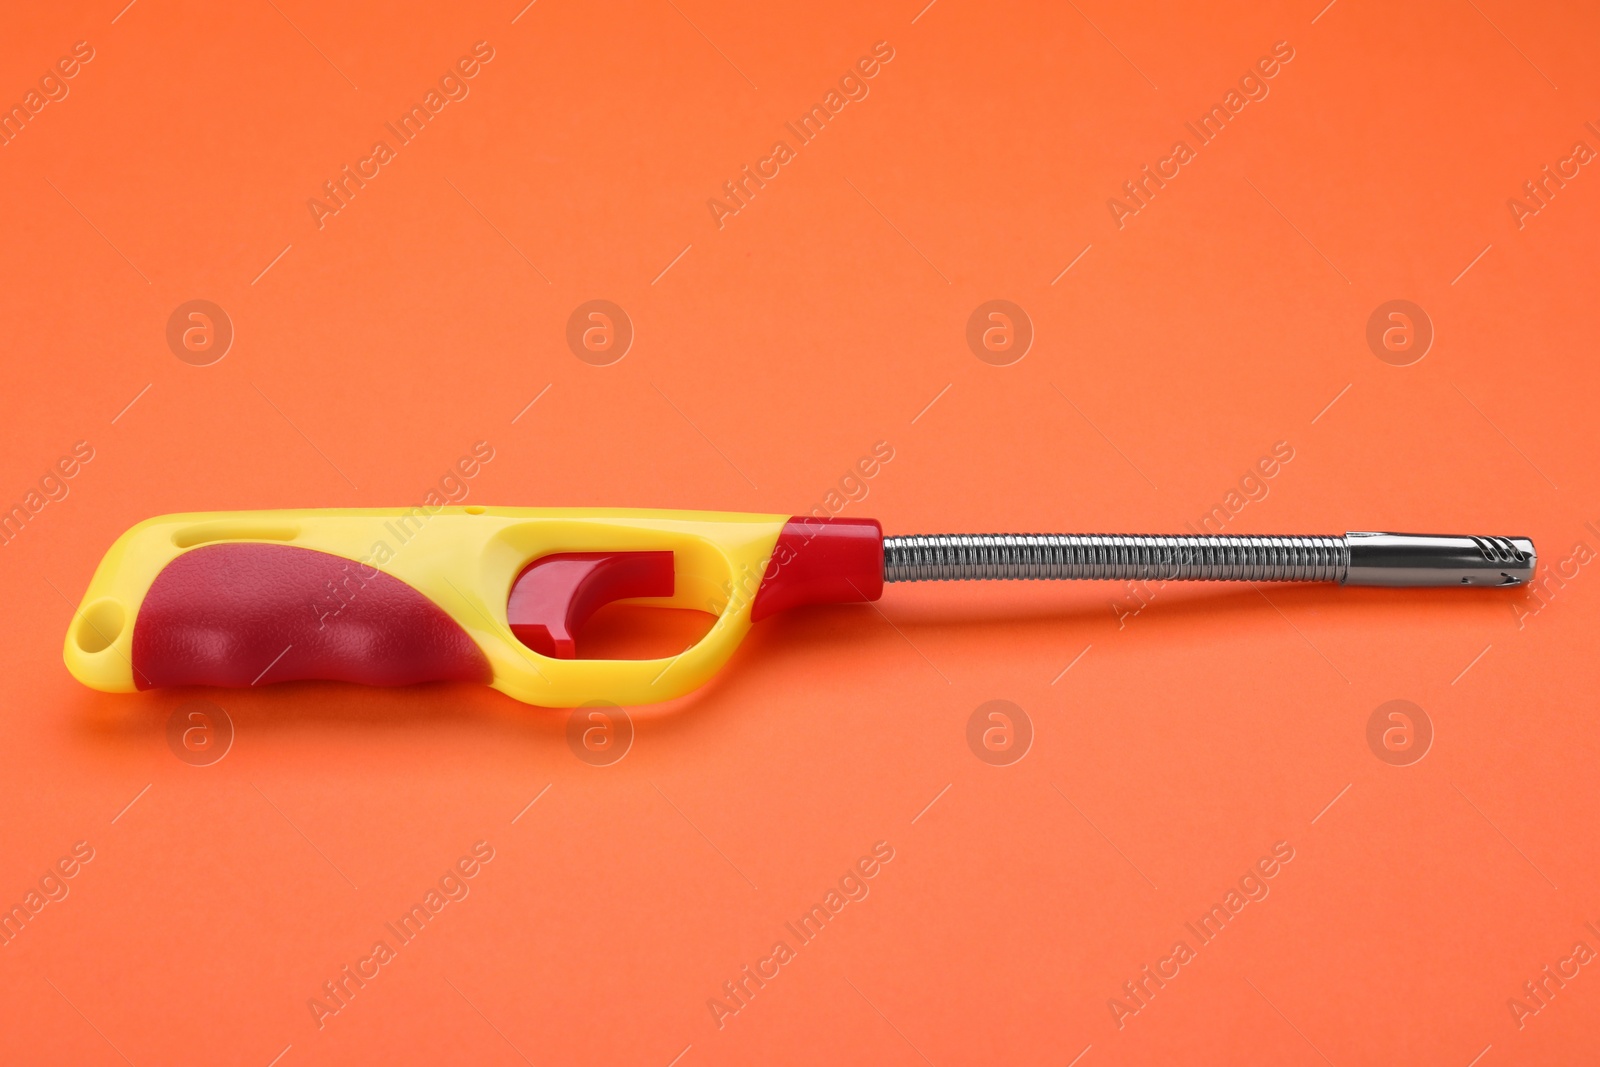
{"x": 555, "y": 595}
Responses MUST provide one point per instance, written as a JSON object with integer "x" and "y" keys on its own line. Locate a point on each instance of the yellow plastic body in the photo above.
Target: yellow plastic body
{"x": 464, "y": 559}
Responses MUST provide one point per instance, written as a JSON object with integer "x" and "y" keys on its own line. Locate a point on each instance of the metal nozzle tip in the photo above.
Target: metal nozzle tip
{"x": 1438, "y": 559}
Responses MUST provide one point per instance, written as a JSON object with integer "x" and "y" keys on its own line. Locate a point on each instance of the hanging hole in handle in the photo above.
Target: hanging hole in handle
{"x": 100, "y": 625}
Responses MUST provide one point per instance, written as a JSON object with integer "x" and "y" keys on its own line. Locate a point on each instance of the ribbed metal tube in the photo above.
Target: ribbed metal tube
{"x": 960, "y": 557}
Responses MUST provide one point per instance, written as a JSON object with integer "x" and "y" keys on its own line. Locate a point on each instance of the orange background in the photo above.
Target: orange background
{"x": 1223, "y": 318}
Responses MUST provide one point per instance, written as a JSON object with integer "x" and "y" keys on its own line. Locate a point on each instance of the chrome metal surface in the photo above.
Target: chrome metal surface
{"x": 1438, "y": 559}
{"x": 1354, "y": 559}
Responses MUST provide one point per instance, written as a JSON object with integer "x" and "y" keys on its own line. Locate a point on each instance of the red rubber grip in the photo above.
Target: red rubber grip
{"x": 242, "y": 614}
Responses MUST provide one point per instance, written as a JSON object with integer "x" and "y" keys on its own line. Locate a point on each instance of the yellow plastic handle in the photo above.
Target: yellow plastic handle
{"x": 464, "y": 560}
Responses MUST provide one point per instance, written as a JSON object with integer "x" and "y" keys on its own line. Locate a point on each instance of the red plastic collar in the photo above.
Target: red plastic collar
{"x": 822, "y": 561}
